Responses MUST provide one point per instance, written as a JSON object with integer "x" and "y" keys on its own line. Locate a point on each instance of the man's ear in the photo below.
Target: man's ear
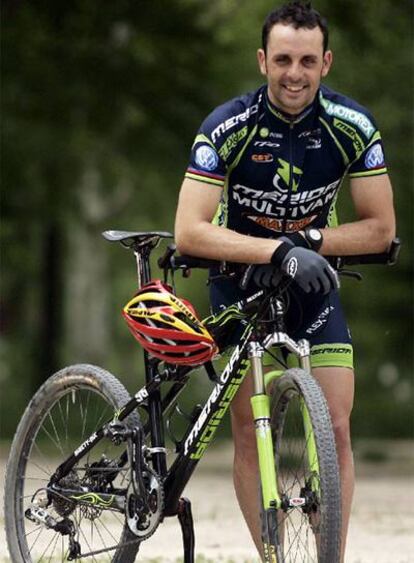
{"x": 261, "y": 59}
{"x": 327, "y": 63}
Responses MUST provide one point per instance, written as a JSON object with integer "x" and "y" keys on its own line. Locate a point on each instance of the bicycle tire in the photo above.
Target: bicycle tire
{"x": 88, "y": 387}
{"x": 295, "y": 524}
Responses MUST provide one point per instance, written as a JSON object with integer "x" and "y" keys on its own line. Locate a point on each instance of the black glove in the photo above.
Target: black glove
{"x": 310, "y": 271}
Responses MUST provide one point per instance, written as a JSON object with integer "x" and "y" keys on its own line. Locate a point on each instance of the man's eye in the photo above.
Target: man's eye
{"x": 281, "y": 60}
{"x": 309, "y": 61}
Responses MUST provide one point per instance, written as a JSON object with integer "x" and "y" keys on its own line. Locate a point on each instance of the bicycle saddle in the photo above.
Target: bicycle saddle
{"x": 131, "y": 238}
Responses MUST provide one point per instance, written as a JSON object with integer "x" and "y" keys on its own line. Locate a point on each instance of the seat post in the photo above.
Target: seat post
{"x": 142, "y": 254}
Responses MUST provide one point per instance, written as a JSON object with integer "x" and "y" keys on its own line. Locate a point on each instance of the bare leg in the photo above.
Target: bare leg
{"x": 246, "y": 468}
{"x": 338, "y": 387}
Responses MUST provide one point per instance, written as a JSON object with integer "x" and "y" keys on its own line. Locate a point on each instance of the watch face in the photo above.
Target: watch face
{"x": 315, "y": 235}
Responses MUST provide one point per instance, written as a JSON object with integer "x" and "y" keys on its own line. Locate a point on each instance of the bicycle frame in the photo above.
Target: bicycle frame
{"x": 248, "y": 353}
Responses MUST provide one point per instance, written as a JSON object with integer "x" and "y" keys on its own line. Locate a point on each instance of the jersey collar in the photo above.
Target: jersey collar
{"x": 287, "y": 118}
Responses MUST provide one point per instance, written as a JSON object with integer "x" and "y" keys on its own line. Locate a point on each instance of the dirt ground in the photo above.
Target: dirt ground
{"x": 382, "y": 525}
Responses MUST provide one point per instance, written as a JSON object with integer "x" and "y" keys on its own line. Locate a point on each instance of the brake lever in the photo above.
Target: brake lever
{"x": 221, "y": 277}
{"x": 350, "y": 274}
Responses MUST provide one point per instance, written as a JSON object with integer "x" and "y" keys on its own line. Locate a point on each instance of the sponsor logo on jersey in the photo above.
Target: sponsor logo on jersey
{"x": 266, "y": 157}
{"x": 264, "y": 132}
{"x": 314, "y": 143}
{"x": 233, "y": 121}
{"x": 352, "y": 115}
{"x": 310, "y": 133}
{"x": 231, "y": 142}
{"x": 279, "y": 225}
{"x": 374, "y": 157}
{"x": 206, "y": 157}
{"x": 313, "y": 137}
{"x": 267, "y": 144}
{"x": 351, "y": 133}
{"x": 275, "y": 208}
{"x": 283, "y": 173}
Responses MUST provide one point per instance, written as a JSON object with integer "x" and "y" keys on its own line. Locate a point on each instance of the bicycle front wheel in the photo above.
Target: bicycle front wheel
{"x": 65, "y": 411}
{"x": 307, "y": 526}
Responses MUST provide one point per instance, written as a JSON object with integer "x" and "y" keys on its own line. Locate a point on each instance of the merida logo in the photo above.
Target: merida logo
{"x": 233, "y": 121}
{"x": 330, "y": 351}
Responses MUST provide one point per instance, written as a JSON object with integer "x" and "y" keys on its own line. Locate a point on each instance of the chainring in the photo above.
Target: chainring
{"x": 143, "y": 524}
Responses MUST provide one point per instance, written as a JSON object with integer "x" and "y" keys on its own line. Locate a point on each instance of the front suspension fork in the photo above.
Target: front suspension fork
{"x": 260, "y": 402}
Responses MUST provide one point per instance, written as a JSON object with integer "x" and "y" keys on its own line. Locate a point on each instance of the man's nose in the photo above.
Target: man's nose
{"x": 294, "y": 72}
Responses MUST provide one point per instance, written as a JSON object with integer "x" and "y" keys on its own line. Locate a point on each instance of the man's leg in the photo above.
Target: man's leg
{"x": 246, "y": 467}
{"x": 338, "y": 386}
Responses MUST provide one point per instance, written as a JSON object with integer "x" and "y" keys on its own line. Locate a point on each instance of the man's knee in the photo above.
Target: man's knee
{"x": 342, "y": 432}
{"x": 244, "y": 437}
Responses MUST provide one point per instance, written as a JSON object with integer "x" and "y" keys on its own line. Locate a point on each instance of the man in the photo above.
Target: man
{"x": 269, "y": 164}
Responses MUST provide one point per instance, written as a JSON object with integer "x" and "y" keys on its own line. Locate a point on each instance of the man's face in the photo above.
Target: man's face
{"x": 294, "y": 65}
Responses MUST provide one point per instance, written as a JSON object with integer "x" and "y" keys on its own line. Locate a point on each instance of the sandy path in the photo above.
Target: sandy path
{"x": 382, "y": 526}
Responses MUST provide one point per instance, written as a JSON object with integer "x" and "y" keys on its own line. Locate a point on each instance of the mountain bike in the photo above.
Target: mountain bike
{"x": 88, "y": 475}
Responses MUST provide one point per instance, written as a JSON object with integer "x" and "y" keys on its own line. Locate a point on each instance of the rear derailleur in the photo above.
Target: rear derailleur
{"x": 65, "y": 527}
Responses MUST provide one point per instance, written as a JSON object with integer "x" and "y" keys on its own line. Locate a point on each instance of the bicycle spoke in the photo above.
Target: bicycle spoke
{"x": 54, "y": 422}
{"x": 297, "y": 461}
{"x": 54, "y": 547}
{"x": 41, "y": 529}
{"x": 102, "y": 539}
{"x": 47, "y": 547}
{"x": 56, "y": 434}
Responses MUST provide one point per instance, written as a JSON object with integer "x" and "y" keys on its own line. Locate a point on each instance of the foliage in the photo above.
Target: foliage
{"x": 100, "y": 105}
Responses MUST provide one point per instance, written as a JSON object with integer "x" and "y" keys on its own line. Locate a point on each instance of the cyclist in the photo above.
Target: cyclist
{"x": 261, "y": 187}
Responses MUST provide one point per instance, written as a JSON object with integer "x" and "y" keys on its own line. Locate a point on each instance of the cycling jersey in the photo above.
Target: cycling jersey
{"x": 280, "y": 174}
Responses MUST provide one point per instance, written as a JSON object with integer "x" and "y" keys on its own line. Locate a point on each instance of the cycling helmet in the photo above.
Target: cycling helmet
{"x": 167, "y": 326}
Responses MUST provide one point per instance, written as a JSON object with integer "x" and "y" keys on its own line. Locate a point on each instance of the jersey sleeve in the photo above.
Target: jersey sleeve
{"x": 206, "y": 165}
{"x": 221, "y": 139}
{"x": 370, "y": 160}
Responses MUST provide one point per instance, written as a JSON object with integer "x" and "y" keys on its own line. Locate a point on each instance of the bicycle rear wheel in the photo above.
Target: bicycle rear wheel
{"x": 307, "y": 527}
{"x": 66, "y": 410}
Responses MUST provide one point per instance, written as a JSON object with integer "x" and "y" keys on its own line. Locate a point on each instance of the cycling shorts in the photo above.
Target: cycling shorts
{"x": 318, "y": 318}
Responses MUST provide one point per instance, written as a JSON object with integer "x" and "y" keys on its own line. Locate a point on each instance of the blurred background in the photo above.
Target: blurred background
{"x": 100, "y": 104}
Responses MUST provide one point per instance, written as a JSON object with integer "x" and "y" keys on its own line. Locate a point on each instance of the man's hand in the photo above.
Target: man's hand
{"x": 310, "y": 271}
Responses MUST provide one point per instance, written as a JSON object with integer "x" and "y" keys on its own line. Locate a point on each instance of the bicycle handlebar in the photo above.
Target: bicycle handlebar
{"x": 171, "y": 262}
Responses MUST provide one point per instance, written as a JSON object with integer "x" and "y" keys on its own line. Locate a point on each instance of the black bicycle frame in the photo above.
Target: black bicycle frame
{"x": 198, "y": 436}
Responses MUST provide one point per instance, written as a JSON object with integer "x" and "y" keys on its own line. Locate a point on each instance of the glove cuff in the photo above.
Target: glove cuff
{"x": 279, "y": 254}
{"x": 297, "y": 239}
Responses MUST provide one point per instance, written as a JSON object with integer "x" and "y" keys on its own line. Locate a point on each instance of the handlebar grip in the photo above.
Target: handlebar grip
{"x": 187, "y": 262}
{"x": 390, "y": 257}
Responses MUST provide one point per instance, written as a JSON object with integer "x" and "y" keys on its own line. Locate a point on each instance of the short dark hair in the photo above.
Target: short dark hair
{"x": 299, "y": 15}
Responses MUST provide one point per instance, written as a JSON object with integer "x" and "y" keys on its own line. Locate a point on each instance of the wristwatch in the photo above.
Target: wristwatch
{"x": 314, "y": 238}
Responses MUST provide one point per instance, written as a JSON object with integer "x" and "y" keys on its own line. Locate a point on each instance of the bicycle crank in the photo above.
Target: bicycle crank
{"x": 144, "y": 515}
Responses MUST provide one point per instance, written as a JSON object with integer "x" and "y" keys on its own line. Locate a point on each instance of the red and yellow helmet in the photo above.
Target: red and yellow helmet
{"x": 167, "y": 326}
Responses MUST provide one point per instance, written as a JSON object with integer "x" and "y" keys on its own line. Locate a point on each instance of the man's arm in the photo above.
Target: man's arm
{"x": 196, "y": 236}
{"x": 374, "y": 229}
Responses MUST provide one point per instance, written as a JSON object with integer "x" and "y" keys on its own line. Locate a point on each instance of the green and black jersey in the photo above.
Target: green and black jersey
{"x": 281, "y": 174}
